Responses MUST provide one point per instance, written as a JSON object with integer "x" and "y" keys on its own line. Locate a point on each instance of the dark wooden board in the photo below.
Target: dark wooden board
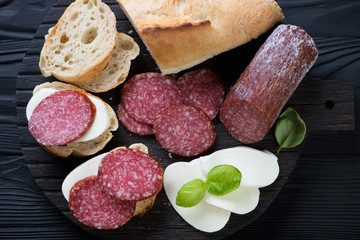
{"x": 324, "y": 105}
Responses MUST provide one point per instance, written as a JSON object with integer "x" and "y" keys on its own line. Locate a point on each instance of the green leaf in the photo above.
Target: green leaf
{"x": 223, "y": 179}
{"x": 191, "y": 193}
{"x": 290, "y": 129}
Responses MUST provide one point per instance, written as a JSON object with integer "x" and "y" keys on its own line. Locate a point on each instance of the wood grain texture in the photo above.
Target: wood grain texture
{"x": 38, "y": 161}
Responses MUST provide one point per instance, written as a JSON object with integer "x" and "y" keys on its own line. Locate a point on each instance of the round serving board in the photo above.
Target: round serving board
{"x": 161, "y": 222}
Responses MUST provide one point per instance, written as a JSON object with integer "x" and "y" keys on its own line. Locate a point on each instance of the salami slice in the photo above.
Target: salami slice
{"x": 203, "y": 89}
{"x": 62, "y": 117}
{"x": 147, "y": 94}
{"x": 130, "y": 175}
{"x": 94, "y": 207}
{"x": 131, "y": 124}
{"x": 184, "y": 130}
{"x": 265, "y": 86}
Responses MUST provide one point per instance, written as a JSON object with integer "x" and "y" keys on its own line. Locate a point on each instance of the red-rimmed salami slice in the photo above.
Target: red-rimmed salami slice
{"x": 130, "y": 174}
{"x": 184, "y": 130}
{"x": 203, "y": 89}
{"x": 94, "y": 207}
{"x": 147, "y": 94}
{"x": 267, "y": 83}
{"x": 131, "y": 124}
{"x": 62, "y": 117}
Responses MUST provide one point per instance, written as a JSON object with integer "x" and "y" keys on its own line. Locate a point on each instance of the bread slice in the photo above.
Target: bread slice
{"x": 80, "y": 149}
{"x": 79, "y": 46}
{"x": 117, "y": 69}
{"x": 181, "y": 33}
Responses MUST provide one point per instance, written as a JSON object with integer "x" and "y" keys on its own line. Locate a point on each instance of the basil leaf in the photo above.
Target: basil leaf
{"x": 223, "y": 179}
{"x": 290, "y": 129}
{"x": 191, "y": 193}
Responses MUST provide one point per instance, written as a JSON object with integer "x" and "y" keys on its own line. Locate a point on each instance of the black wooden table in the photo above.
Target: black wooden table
{"x": 321, "y": 199}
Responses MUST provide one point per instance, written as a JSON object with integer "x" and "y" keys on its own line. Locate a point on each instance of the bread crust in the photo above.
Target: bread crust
{"x": 80, "y": 149}
{"x": 181, "y": 34}
{"x": 61, "y": 54}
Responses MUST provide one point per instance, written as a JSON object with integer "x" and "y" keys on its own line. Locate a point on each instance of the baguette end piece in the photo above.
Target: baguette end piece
{"x": 182, "y": 34}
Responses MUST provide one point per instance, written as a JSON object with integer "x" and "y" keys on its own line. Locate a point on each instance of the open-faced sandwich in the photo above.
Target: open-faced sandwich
{"x": 67, "y": 120}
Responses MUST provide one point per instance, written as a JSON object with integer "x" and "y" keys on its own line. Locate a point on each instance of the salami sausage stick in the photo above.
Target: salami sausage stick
{"x": 265, "y": 86}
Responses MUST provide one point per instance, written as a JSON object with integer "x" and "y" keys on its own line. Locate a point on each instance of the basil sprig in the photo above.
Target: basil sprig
{"x": 290, "y": 129}
{"x": 220, "y": 180}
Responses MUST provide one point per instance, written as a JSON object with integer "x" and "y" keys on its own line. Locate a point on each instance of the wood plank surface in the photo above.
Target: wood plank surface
{"x": 325, "y": 104}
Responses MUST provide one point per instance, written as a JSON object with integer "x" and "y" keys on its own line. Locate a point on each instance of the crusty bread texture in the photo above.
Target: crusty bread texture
{"x": 183, "y": 33}
{"x": 118, "y": 67}
{"x": 79, "y": 46}
{"x": 81, "y": 149}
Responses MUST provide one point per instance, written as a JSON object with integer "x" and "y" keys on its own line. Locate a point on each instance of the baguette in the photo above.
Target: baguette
{"x": 80, "y": 149}
{"x": 79, "y": 46}
{"x": 116, "y": 71}
{"x": 182, "y": 34}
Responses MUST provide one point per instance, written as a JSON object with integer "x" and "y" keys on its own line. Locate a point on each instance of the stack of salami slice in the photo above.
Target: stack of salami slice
{"x": 109, "y": 200}
{"x": 179, "y": 113}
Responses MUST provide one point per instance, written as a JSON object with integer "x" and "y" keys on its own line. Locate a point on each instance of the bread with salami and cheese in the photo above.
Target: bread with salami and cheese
{"x": 94, "y": 139}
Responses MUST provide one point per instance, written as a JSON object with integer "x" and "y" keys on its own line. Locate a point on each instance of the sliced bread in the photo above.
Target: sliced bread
{"x": 79, "y": 46}
{"x": 117, "y": 69}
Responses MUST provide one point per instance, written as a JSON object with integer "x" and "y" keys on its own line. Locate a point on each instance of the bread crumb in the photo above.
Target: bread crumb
{"x": 130, "y": 32}
{"x": 170, "y": 155}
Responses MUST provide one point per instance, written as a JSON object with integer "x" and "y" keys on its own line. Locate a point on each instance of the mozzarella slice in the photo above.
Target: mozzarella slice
{"x": 203, "y": 216}
{"x": 101, "y": 122}
{"x": 258, "y": 168}
{"x": 241, "y": 201}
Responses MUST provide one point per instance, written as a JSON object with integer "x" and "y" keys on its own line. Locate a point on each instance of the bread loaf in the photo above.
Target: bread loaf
{"x": 182, "y": 33}
{"x": 80, "y": 149}
{"x": 79, "y": 46}
{"x": 117, "y": 69}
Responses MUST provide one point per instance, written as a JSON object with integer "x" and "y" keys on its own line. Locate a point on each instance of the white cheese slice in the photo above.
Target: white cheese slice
{"x": 258, "y": 168}
{"x": 101, "y": 122}
{"x": 203, "y": 216}
{"x": 241, "y": 201}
